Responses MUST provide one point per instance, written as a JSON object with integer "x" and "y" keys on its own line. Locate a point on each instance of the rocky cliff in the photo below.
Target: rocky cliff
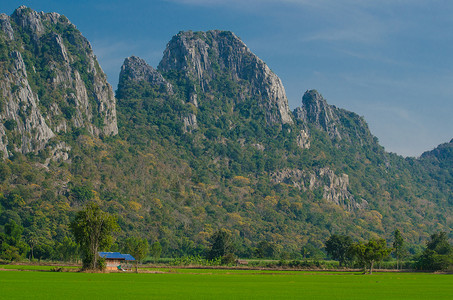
{"x": 210, "y": 59}
{"x": 136, "y": 70}
{"x": 51, "y": 82}
{"x": 333, "y": 188}
{"x": 206, "y": 141}
{"x": 226, "y": 95}
{"x": 338, "y": 123}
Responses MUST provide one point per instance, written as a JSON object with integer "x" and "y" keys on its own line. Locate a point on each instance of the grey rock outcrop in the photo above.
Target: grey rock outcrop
{"x": 206, "y": 56}
{"x": 190, "y": 123}
{"x": 29, "y": 20}
{"x": 21, "y": 109}
{"x": 334, "y": 187}
{"x": 136, "y": 69}
{"x": 339, "y": 124}
{"x": 38, "y": 102}
{"x": 5, "y": 26}
{"x": 303, "y": 139}
{"x": 316, "y": 111}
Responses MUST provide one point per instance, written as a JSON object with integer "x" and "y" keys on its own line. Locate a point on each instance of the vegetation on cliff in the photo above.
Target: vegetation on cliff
{"x": 205, "y": 144}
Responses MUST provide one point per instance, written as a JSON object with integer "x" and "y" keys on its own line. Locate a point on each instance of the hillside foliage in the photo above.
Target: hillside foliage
{"x": 177, "y": 184}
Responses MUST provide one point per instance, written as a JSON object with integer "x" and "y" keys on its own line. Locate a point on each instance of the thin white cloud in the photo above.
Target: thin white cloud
{"x": 398, "y": 112}
{"x": 347, "y": 34}
{"x": 335, "y": 20}
{"x": 307, "y": 3}
{"x": 375, "y": 57}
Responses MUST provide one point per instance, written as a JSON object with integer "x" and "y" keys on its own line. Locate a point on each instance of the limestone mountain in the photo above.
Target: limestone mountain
{"x": 204, "y": 141}
{"x": 218, "y": 62}
{"x": 324, "y": 152}
{"x": 51, "y": 83}
{"x": 442, "y": 155}
{"x": 438, "y": 163}
{"x": 136, "y": 70}
{"x": 339, "y": 124}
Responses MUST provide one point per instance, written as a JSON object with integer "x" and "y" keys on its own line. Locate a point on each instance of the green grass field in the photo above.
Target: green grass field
{"x": 34, "y": 267}
{"x": 223, "y": 284}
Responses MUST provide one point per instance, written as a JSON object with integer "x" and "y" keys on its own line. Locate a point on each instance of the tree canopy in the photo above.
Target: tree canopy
{"x": 398, "y": 246}
{"x": 371, "y": 252}
{"x": 438, "y": 254}
{"x": 93, "y": 229}
{"x": 221, "y": 244}
{"x": 138, "y": 248}
{"x": 338, "y": 247}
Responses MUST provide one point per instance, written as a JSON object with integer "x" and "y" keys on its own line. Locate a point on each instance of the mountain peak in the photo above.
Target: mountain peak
{"x": 339, "y": 124}
{"x": 442, "y": 154}
{"x": 313, "y": 96}
{"x": 71, "y": 92}
{"x": 214, "y": 57}
{"x": 33, "y": 21}
{"x": 316, "y": 111}
{"x": 135, "y": 69}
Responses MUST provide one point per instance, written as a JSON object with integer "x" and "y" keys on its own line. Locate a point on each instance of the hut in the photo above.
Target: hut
{"x": 116, "y": 261}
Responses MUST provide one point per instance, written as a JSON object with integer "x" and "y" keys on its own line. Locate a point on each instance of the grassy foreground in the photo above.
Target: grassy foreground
{"x": 224, "y": 284}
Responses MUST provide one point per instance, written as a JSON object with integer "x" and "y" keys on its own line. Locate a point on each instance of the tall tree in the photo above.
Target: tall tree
{"x": 439, "y": 243}
{"x": 266, "y": 249}
{"x": 337, "y": 246}
{"x": 138, "y": 248}
{"x": 438, "y": 254}
{"x": 370, "y": 253}
{"x": 221, "y": 244}
{"x": 67, "y": 250}
{"x": 12, "y": 247}
{"x": 156, "y": 250}
{"x": 93, "y": 230}
{"x": 398, "y": 246}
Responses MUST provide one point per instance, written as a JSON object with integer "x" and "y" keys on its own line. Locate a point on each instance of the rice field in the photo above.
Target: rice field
{"x": 164, "y": 283}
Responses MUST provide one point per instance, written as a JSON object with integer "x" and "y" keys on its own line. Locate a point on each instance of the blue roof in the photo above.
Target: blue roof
{"x": 116, "y": 255}
{"x": 128, "y": 257}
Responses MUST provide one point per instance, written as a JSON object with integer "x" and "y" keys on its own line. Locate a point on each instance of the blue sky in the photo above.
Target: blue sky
{"x": 390, "y": 61}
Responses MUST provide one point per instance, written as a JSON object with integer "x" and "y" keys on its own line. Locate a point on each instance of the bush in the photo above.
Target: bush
{"x": 228, "y": 259}
{"x": 102, "y": 265}
{"x": 195, "y": 261}
{"x": 10, "y": 124}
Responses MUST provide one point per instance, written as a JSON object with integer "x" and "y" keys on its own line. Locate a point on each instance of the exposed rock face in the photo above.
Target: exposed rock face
{"x": 136, "y": 69}
{"x": 316, "y": 111}
{"x": 190, "y": 123}
{"x": 204, "y": 57}
{"x": 5, "y": 26}
{"x": 303, "y": 139}
{"x": 21, "y": 111}
{"x": 29, "y": 20}
{"x": 339, "y": 124}
{"x": 50, "y": 82}
{"x": 334, "y": 187}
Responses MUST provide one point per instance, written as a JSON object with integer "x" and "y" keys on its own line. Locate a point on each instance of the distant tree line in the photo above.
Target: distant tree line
{"x": 93, "y": 231}
{"x": 438, "y": 254}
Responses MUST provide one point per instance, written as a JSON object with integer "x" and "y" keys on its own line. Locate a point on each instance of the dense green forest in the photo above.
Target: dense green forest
{"x": 204, "y": 143}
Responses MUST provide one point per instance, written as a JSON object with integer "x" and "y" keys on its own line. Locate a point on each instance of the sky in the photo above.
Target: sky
{"x": 390, "y": 61}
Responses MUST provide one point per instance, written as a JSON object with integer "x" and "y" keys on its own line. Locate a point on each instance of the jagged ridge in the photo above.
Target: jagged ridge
{"x": 52, "y": 82}
{"x": 204, "y": 57}
{"x": 206, "y": 141}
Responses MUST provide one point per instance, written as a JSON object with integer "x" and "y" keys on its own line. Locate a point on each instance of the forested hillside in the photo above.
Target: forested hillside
{"x": 205, "y": 141}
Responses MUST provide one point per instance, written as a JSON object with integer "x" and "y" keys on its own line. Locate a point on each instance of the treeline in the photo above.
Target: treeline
{"x": 222, "y": 249}
{"x": 438, "y": 254}
{"x": 176, "y": 183}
